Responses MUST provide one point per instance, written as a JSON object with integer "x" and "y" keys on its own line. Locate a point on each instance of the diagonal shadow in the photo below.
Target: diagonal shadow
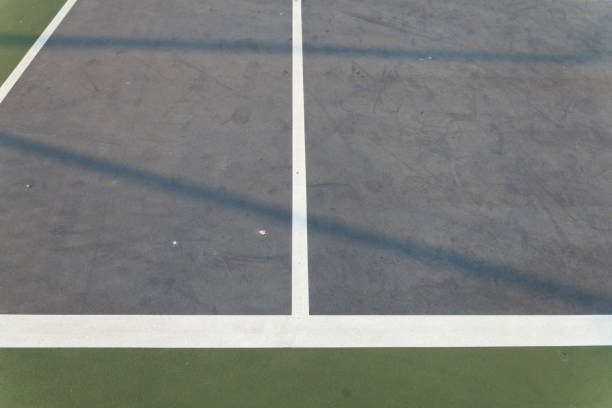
{"x": 408, "y": 247}
{"x": 252, "y": 46}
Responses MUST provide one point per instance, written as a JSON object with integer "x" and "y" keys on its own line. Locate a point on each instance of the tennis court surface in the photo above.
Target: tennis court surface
{"x": 156, "y": 138}
{"x": 316, "y": 174}
{"x": 458, "y": 160}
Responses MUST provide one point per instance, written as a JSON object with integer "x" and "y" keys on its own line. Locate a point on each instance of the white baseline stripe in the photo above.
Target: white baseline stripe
{"x": 34, "y": 50}
{"x": 299, "y": 225}
{"x": 314, "y": 331}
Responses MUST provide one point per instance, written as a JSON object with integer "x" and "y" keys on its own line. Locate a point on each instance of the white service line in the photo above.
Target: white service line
{"x": 314, "y": 331}
{"x": 12, "y": 79}
{"x": 299, "y": 222}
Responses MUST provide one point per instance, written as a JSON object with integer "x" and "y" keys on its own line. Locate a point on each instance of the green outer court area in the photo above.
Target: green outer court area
{"x": 509, "y": 377}
{"x": 493, "y": 377}
{"x": 23, "y": 18}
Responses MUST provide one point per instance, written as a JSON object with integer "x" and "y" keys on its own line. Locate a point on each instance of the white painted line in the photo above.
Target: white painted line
{"x": 299, "y": 223}
{"x": 314, "y": 331}
{"x": 12, "y": 79}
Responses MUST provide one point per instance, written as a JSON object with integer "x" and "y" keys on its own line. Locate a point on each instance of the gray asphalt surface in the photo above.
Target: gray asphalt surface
{"x": 459, "y": 159}
{"x": 141, "y": 123}
{"x": 459, "y": 156}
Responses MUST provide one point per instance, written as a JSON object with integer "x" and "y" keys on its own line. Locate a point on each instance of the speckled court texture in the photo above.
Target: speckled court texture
{"x": 458, "y": 156}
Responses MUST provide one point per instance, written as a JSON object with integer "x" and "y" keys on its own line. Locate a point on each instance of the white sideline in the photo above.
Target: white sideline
{"x": 27, "y": 59}
{"x": 299, "y": 329}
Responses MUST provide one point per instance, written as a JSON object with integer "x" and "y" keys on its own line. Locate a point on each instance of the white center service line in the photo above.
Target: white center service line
{"x": 299, "y": 222}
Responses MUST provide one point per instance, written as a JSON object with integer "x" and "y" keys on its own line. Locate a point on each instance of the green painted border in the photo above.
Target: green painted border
{"x": 579, "y": 377}
{"x": 23, "y": 19}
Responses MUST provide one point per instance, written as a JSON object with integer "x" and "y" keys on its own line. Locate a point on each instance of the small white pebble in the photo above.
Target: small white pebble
{"x": 262, "y": 232}
{"x": 28, "y": 186}
{"x": 429, "y": 58}
{"x": 174, "y": 243}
